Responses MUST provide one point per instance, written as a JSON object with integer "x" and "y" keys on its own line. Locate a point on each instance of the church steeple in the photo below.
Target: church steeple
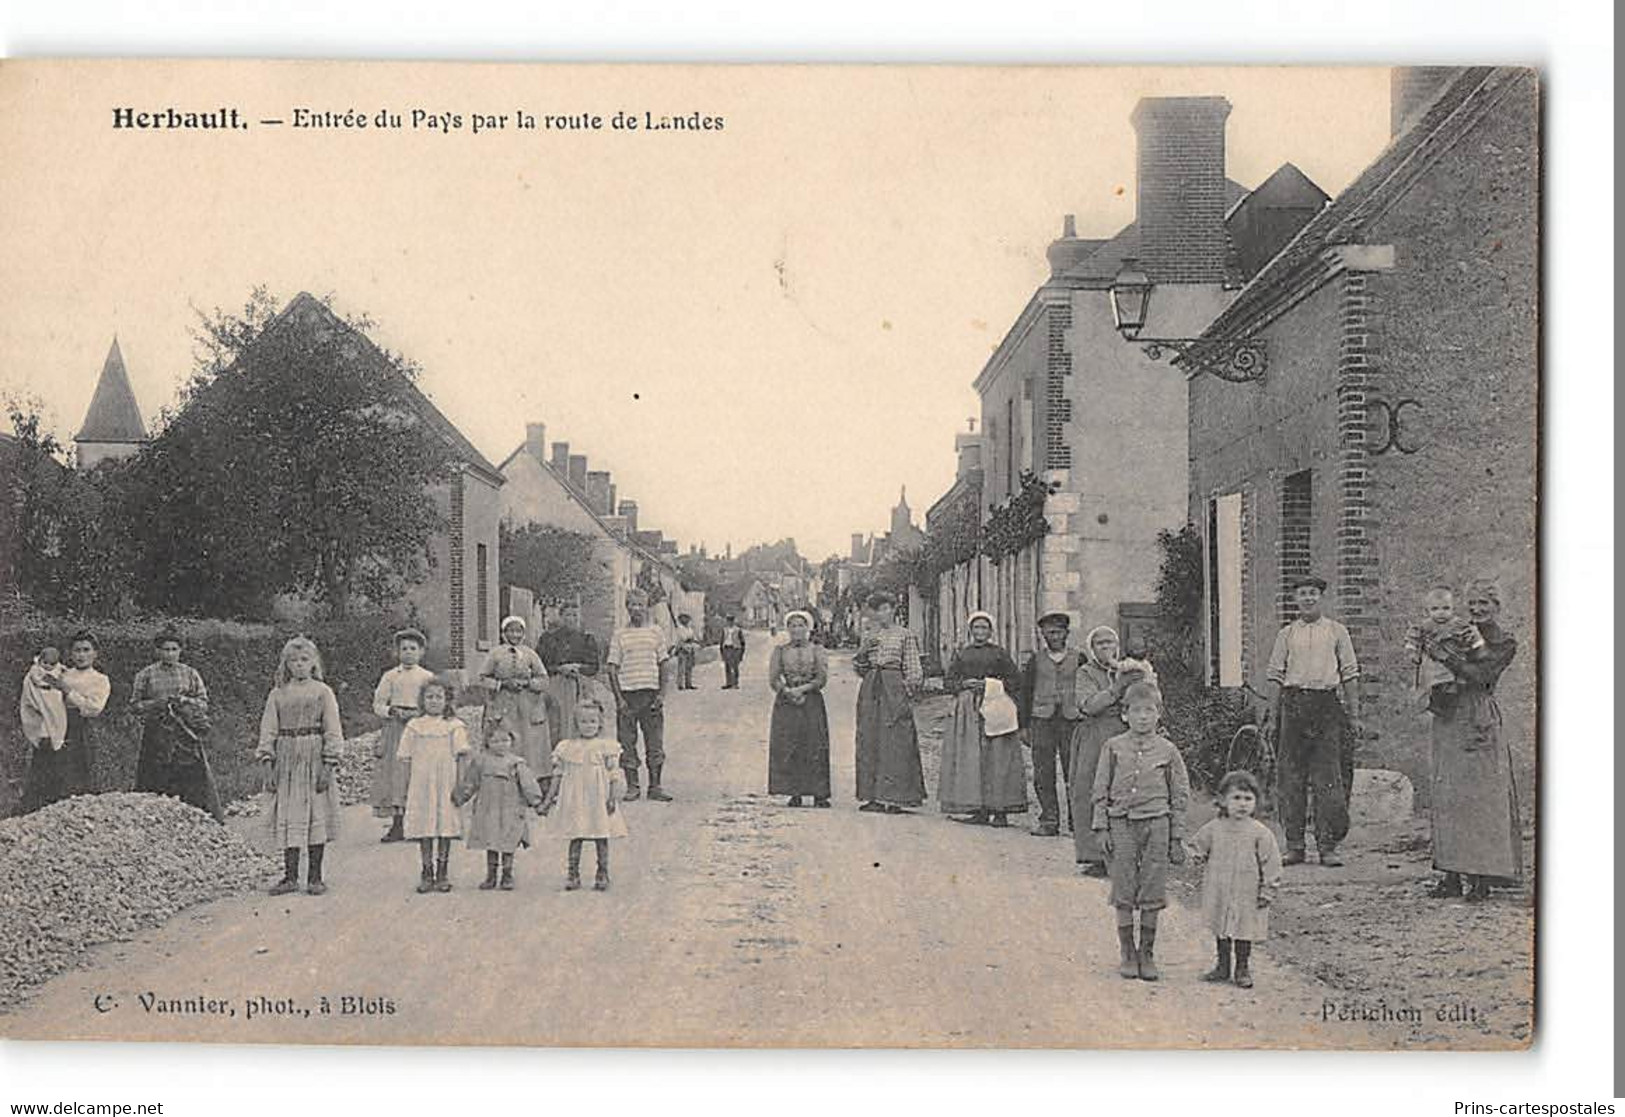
{"x": 113, "y": 427}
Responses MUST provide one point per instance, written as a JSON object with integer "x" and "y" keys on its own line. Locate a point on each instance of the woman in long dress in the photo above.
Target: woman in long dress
{"x": 515, "y": 682}
{"x": 59, "y": 773}
{"x": 984, "y": 778}
{"x": 173, "y": 704}
{"x": 572, "y": 659}
{"x": 1100, "y": 702}
{"x": 798, "y": 736}
{"x": 1476, "y": 828}
{"x": 890, "y": 777}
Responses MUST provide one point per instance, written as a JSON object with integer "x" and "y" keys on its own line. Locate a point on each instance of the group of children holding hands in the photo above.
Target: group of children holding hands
{"x": 430, "y": 780}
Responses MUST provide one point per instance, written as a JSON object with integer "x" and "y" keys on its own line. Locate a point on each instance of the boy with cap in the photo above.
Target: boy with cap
{"x": 1047, "y": 709}
{"x": 1312, "y": 661}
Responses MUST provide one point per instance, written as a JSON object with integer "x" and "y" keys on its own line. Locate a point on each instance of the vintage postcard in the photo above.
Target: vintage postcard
{"x": 769, "y": 556}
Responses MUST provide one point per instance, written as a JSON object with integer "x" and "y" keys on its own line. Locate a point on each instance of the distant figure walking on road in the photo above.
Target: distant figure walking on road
{"x": 798, "y": 737}
{"x": 733, "y": 650}
{"x": 636, "y": 653}
{"x": 688, "y": 645}
{"x": 890, "y": 777}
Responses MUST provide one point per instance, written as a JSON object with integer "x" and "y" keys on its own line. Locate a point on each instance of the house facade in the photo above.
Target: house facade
{"x": 1392, "y": 444}
{"x": 1067, "y": 400}
{"x": 558, "y": 490}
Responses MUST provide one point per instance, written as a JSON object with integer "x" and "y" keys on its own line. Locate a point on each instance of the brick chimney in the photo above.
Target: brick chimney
{"x": 1410, "y": 90}
{"x": 609, "y": 510}
{"x": 578, "y": 473}
{"x": 561, "y": 460}
{"x": 1069, "y": 251}
{"x": 598, "y": 487}
{"x": 629, "y": 513}
{"x": 536, "y": 441}
{"x": 857, "y": 547}
{"x": 1181, "y": 186}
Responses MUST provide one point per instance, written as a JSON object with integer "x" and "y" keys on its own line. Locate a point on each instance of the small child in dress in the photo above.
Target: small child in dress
{"x": 397, "y": 699}
{"x": 433, "y": 746}
{"x": 1444, "y": 627}
{"x": 500, "y": 785}
{"x": 1140, "y": 795}
{"x": 1241, "y": 874}
{"x": 44, "y": 712}
{"x": 586, "y": 789}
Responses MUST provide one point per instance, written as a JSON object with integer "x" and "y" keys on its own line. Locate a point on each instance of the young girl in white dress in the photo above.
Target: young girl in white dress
{"x": 432, "y": 747}
{"x": 584, "y": 799}
{"x": 1241, "y": 871}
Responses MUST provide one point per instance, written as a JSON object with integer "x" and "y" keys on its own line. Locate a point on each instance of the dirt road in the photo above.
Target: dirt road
{"x": 732, "y": 921}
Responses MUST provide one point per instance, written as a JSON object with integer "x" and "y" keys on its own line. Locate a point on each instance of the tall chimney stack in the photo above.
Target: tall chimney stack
{"x": 598, "y": 491}
{"x": 536, "y": 441}
{"x": 629, "y": 513}
{"x": 1410, "y": 90}
{"x": 1181, "y": 187}
{"x": 578, "y": 473}
{"x": 561, "y": 460}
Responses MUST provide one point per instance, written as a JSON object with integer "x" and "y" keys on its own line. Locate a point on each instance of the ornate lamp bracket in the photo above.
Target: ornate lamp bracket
{"x": 1238, "y": 360}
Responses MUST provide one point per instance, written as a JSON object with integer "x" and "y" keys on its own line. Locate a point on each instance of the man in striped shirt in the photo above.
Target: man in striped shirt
{"x": 635, "y": 655}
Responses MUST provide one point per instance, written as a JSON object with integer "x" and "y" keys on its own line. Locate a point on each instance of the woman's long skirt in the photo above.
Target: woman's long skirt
{"x": 563, "y": 692}
{"x": 524, "y": 714}
{"x": 170, "y": 766}
{"x": 300, "y": 815}
{"x": 389, "y": 772}
{"x": 798, "y": 748}
{"x": 1087, "y": 739}
{"x": 55, "y": 774}
{"x": 888, "y": 750}
{"x": 1476, "y": 826}
{"x": 980, "y": 773}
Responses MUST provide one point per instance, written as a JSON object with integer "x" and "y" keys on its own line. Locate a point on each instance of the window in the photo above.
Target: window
{"x": 1224, "y": 590}
{"x": 1296, "y": 556}
{"x": 482, "y": 593}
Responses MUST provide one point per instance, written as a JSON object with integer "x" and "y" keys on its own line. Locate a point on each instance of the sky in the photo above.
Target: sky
{"x": 762, "y": 331}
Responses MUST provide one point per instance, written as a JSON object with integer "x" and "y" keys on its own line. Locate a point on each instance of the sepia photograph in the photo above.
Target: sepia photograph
{"x": 771, "y": 556}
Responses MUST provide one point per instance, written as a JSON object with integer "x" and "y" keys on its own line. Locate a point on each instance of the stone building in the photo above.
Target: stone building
{"x": 1392, "y": 443}
{"x": 1065, "y": 398}
{"x": 113, "y": 427}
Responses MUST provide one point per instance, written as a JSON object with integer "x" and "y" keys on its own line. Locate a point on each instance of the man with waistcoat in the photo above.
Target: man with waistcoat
{"x": 1317, "y": 700}
{"x": 1048, "y": 711}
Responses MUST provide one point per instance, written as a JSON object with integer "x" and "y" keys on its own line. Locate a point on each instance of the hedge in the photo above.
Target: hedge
{"x": 237, "y": 661}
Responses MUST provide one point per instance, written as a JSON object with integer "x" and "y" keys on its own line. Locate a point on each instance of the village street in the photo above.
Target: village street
{"x": 731, "y": 919}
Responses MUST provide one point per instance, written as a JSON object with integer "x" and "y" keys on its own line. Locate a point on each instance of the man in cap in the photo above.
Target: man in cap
{"x": 1048, "y": 710}
{"x": 636, "y": 653}
{"x": 1313, "y": 660}
{"x": 733, "y": 650}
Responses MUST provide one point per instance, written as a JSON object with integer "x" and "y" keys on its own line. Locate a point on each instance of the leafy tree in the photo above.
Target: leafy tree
{"x": 300, "y": 459}
{"x": 555, "y": 564}
{"x": 65, "y": 535}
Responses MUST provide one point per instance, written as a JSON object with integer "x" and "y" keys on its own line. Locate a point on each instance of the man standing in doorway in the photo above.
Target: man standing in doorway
{"x": 733, "y": 650}
{"x": 1312, "y": 661}
{"x": 635, "y": 655}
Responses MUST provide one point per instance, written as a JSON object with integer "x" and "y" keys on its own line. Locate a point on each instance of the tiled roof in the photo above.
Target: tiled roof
{"x": 1393, "y": 171}
{"x": 113, "y": 415}
{"x": 304, "y": 308}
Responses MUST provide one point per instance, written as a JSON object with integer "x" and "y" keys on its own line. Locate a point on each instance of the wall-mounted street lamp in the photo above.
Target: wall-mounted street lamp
{"x": 1237, "y": 360}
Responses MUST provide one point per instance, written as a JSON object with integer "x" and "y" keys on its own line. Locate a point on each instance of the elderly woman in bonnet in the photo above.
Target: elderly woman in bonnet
{"x": 983, "y": 774}
{"x": 1476, "y": 827}
{"x": 1101, "y": 681}
{"x": 798, "y": 736}
{"x": 515, "y": 681}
